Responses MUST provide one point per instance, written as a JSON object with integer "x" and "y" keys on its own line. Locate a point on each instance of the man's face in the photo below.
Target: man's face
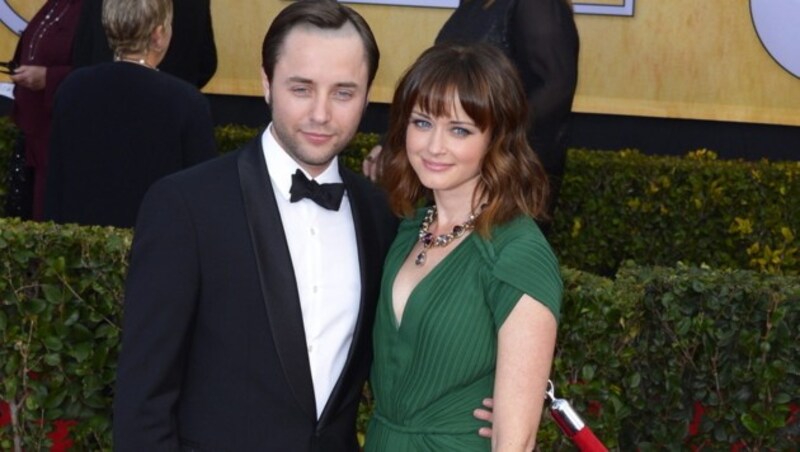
{"x": 317, "y": 94}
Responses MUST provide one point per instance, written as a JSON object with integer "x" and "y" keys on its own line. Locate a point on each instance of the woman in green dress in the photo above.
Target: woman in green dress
{"x": 471, "y": 290}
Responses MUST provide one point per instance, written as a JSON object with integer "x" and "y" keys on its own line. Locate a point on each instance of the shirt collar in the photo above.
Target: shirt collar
{"x": 282, "y": 166}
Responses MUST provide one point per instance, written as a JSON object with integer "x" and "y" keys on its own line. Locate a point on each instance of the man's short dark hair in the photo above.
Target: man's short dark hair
{"x": 323, "y": 14}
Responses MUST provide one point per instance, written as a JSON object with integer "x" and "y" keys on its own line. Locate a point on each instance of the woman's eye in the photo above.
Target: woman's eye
{"x": 421, "y": 123}
{"x": 462, "y": 132}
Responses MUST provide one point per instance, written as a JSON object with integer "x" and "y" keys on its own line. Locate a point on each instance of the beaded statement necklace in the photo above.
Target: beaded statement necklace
{"x": 50, "y": 19}
{"x": 428, "y": 240}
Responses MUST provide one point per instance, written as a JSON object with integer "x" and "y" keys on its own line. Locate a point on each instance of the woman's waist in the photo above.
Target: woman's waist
{"x": 452, "y": 424}
{"x": 449, "y": 411}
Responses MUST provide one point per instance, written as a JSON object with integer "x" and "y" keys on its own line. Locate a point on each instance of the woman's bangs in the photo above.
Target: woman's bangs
{"x": 437, "y": 94}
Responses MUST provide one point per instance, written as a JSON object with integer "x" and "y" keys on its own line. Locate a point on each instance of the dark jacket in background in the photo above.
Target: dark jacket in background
{"x": 117, "y": 128}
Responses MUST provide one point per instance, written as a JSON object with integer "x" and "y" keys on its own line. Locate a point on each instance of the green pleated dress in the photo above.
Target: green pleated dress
{"x": 432, "y": 371}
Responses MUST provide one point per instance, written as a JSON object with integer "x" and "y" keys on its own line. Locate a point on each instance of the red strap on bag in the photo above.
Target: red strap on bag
{"x": 571, "y": 424}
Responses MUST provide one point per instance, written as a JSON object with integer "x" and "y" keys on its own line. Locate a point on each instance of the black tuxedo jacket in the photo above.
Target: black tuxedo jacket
{"x": 213, "y": 352}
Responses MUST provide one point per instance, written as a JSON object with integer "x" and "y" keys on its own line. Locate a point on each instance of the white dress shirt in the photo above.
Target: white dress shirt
{"x": 322, "y": 244}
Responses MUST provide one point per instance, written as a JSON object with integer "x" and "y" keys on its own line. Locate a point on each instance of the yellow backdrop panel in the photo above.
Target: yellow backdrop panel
{"x": 684, "y": 59}
{"x": 676, "y": 58}
{"x": 402, "y": 34}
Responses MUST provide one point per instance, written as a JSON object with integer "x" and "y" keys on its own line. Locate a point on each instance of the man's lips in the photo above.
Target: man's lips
{"x": 317, "y": 138}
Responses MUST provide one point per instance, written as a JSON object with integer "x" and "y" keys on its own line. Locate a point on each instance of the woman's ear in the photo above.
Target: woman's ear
{"x": 159, "y": 39}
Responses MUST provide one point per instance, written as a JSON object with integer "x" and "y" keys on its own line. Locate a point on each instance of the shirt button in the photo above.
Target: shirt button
{"x": 313, "y": 231}
{"x": 314, "y": 289}
{"x": 310, "y": 349}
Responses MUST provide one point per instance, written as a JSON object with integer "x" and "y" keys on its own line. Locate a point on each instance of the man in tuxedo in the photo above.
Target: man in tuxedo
{"x": 251, "y": 290}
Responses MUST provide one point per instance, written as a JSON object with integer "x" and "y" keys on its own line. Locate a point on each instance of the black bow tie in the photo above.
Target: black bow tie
{"x": 328, "y": 196}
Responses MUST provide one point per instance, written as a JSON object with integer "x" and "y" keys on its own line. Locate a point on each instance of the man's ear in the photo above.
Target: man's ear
{"x": 265, "y": 85}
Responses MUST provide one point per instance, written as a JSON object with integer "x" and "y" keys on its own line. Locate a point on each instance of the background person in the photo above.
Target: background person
{"x": 463, "y": 315}
{"x": 42, "y": 60}
{"x": 248, "y": 305}
{"x": 120, "y": 126}
{"x": 192, "y": 54}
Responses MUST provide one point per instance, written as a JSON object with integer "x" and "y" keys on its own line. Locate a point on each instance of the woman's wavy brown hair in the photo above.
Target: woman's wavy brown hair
{"x": 512, "y": 181}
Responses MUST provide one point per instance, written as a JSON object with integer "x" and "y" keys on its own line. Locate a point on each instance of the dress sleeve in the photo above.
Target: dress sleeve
{"x": 524, "y": 265}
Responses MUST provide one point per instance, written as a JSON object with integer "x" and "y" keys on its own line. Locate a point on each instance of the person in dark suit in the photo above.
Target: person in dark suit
{"x": 120, "y": 126}
{"x": 192, "y": 54}
{"x": 251, "y": 291}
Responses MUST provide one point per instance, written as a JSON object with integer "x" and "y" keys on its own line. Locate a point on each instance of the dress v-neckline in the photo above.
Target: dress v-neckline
{"x": 398, "y": 323}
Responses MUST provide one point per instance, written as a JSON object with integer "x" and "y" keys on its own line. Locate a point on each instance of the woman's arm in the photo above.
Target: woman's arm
{"x": 526, "y": 342}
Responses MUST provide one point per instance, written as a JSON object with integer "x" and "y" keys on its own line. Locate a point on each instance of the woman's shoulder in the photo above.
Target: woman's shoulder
{"x": 516, "y": 241}
{"x": 519, "y": 255}
{"x": 519, "y": 231}
{"x": 519, "y": 226}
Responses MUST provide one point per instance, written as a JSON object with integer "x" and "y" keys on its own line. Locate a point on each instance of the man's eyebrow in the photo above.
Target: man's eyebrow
{"x": 308, "y": 81}
{"x": 347, "y": 85}
{"x": 298, "y": 79}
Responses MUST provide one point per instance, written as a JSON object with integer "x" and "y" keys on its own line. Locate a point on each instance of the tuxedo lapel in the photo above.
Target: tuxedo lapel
{"x": 368, "y": 263}
{"x": 278, "y": 286}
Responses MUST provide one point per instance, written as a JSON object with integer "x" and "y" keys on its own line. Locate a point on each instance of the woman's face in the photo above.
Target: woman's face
{"x": 446, "y": 151}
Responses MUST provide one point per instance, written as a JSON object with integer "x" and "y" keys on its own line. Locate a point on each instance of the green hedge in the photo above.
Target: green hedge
{"x": 8, "y": 137}
{"x": 624, "y": 205}
{"x": 645, "y": 351}
{"x": 635, "y": 354}
{"x": 60, "y": 304}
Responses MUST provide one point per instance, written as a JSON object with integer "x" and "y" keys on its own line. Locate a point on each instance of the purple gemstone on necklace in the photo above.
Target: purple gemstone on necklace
{"x": 420, "y": 258}
{"x": 427, "y": 239}
{"x": 458, "y": 230}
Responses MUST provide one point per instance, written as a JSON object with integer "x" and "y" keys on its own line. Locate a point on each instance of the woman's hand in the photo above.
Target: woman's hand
{"x": 31, "y": 77}
{"x": 485, "y": 414}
